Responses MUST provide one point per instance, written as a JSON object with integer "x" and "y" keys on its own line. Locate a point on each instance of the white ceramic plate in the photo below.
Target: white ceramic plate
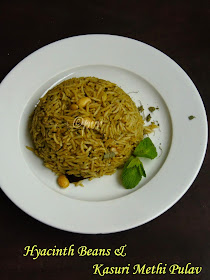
{"x": 103, "y": 205}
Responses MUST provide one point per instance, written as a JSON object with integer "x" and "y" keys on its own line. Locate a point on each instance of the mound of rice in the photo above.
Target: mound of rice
{"x": 86, "y": 141}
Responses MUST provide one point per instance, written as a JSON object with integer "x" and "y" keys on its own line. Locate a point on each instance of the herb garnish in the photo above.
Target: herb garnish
{"x": 133, "y": 169}
{"x": 151, "y": 109}
{"x": 146, "y": 149}
{"x": 141, "y": 108}
{"x": 191, "y": 117}
{"x": 148, "y": 118}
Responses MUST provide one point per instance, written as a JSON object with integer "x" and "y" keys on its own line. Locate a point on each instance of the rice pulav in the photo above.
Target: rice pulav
{"x": 86, "y": 127}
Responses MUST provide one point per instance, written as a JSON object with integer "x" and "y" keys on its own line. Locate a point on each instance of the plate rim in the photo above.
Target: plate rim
{"x": 115, "y": 228}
